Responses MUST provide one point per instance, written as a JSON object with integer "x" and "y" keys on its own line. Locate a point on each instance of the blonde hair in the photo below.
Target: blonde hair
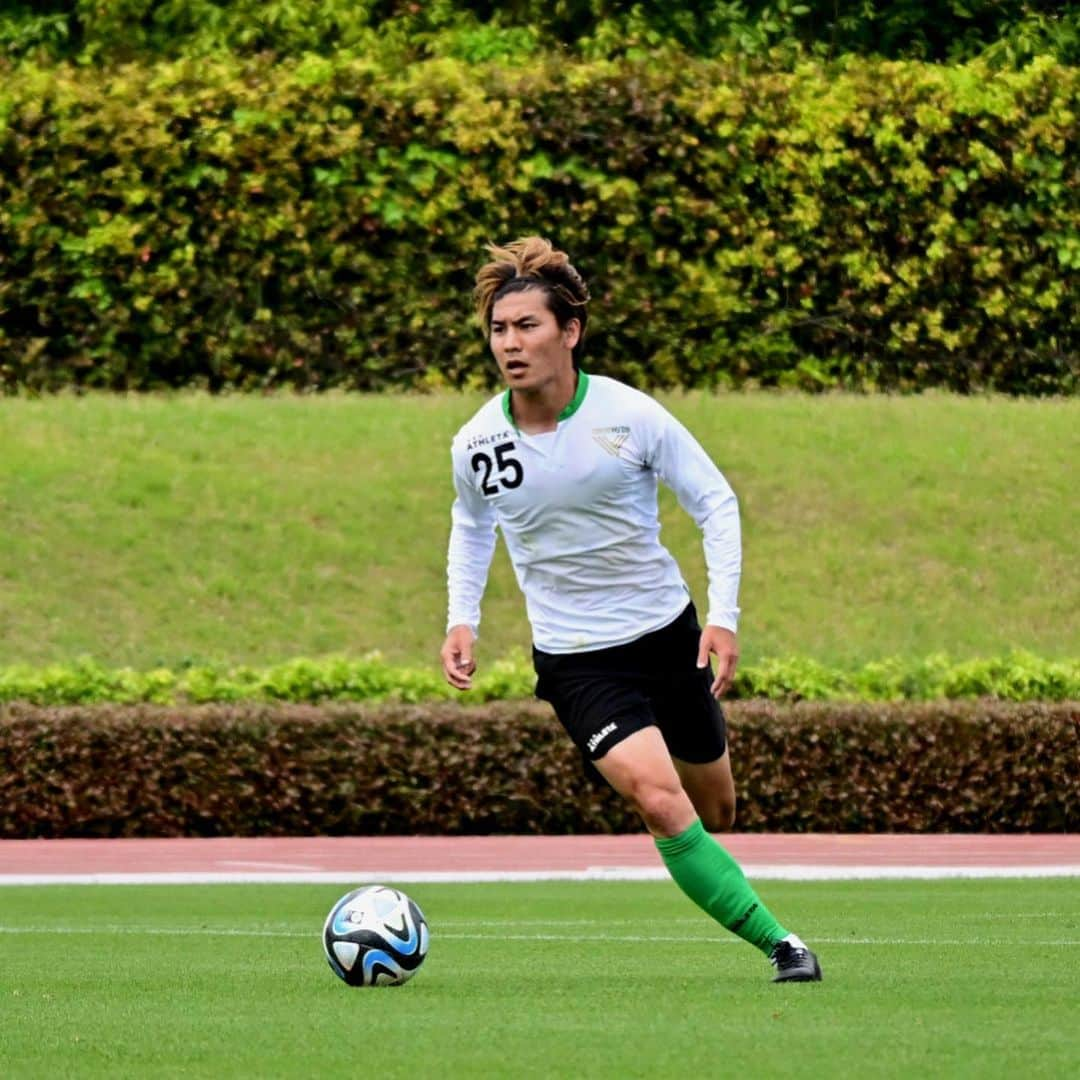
{"x": 532, "y": 263}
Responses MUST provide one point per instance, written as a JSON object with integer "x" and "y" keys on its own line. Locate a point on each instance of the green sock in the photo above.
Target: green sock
{"x": 715, "y": 882}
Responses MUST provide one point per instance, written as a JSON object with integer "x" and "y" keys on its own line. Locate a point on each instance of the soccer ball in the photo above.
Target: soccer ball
{"x": 375, "y": 936}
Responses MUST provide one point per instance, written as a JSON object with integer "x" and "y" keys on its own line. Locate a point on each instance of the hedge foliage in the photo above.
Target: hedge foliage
{"x": 509, "y": 768}
{"x": 476, "y": 30}
{"x": 1017, "y": 677}
{"x": 317, "y": 223}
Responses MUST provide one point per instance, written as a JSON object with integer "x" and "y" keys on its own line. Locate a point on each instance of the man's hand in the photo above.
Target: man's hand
{"x": 457, "y": 657}
{"x": 722, "y": 644}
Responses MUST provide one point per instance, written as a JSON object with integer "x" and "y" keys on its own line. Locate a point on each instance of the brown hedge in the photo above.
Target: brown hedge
{"x": 507, "y": 768}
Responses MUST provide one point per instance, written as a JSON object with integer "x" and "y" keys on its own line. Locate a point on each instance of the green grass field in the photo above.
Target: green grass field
{"x": 922, "y": 979}
{"x": 154, "y": 530}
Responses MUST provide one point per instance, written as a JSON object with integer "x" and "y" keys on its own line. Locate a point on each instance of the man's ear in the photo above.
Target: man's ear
{"x": 572, "y": 333}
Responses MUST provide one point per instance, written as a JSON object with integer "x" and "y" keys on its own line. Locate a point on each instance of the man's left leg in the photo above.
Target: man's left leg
{"x": 711, "y": 788}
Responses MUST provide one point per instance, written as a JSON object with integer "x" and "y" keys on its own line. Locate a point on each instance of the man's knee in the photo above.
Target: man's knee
{"x": 719, "y": 815}
{"x": 665, "y": 809}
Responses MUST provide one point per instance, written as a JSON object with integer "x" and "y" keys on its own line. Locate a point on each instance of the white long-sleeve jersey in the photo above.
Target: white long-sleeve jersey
{"x": 577, "y": 508}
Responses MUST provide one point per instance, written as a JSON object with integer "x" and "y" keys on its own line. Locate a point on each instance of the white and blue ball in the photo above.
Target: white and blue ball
{"x": 375, "y": 936}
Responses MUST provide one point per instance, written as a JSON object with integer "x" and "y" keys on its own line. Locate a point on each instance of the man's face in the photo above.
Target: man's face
{"x": 530, "y": 348}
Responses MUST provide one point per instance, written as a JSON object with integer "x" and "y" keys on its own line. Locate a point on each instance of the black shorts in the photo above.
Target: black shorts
{"x": 603, "y": 696}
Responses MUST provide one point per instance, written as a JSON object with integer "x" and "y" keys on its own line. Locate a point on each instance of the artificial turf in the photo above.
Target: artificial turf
{"x": 558, "y": 979}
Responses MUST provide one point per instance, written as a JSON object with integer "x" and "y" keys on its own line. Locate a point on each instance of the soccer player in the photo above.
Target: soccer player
{"x": 567, "y": 464}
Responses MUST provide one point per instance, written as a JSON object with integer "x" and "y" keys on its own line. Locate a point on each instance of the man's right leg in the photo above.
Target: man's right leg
{"x": 641, "y": 770}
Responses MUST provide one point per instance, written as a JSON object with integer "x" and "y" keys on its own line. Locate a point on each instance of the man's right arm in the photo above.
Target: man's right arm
{"x": 472, "y": 545}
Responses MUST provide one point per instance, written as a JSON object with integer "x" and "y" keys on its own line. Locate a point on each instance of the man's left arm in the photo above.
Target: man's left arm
{"x": 704, "y": 493}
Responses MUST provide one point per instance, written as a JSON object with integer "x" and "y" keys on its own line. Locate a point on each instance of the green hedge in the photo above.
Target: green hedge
{"x": 103, "y": 30}
{"x": 317, "y": 223}
{"x": 1017, "y": 677}
{"x": 509, "y": 768}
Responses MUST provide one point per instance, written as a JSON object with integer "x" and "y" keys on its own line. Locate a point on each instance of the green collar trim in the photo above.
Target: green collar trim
{"x": 571, "y": 408}
{"x": 578, "y": 398}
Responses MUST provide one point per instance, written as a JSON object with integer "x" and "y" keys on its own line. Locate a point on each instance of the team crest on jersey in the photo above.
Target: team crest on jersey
{"x": 611, "y": 438}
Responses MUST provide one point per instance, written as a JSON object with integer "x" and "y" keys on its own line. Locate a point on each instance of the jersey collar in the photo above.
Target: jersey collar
{"x": 571, "y": 408}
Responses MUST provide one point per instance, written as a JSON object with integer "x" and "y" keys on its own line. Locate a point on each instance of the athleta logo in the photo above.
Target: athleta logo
{"x": 611, "y": 438}
{"x": 734, "y": 927}
{"x": 488, "y": 440}
{"x": 599, "y": 737}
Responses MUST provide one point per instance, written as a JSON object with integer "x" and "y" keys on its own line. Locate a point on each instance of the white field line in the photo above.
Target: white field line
{"x": 759, "y": 872}
{"x": 634, "y": 939}
{"x": 1022, "y": 915}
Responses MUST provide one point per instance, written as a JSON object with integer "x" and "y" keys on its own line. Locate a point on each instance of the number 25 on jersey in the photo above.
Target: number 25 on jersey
{"x": 505, "y": 469}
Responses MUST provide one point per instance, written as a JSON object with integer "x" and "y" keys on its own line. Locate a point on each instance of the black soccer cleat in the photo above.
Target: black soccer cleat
{"x": 794, "y": 963}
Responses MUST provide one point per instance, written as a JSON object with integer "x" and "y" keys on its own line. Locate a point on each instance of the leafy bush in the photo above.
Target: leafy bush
{"x": 119, "y": 30}
{"x": 509, "y": 768}
{"x": 1019, "y": 677}
{"x": 317, "y": 223}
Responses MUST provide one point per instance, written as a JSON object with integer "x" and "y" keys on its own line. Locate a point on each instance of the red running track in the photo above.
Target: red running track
{"x": 800, "y": 856}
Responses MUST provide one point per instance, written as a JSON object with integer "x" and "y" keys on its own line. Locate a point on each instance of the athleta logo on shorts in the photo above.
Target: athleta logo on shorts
{"x": 599, "y": 737}
{"x": 611, "y": 438}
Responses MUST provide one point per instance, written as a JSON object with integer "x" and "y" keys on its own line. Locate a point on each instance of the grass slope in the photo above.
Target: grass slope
{"x": 956, "y": 978}
{"x": 248, "y": 530}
